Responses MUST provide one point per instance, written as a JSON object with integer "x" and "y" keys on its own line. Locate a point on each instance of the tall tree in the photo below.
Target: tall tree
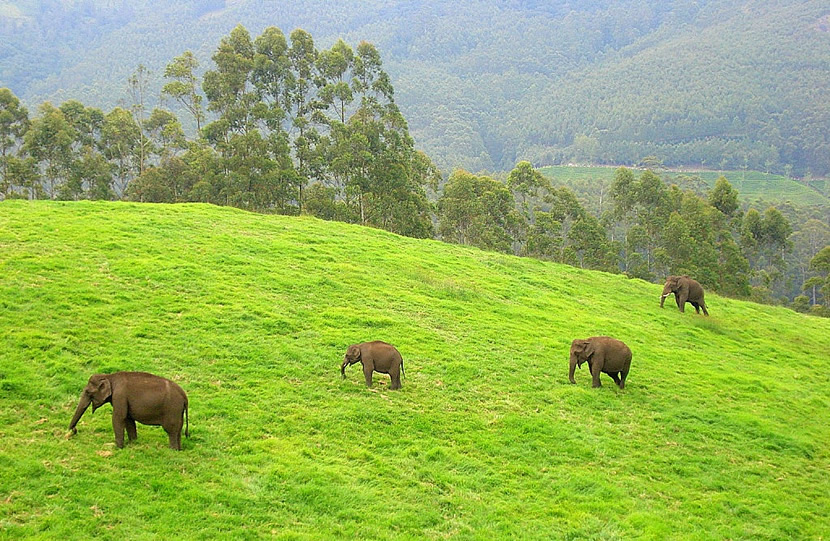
{"x": 334, "y": 66}
{"x": 120, "y": 142}
{"x": 724, "y": 197}
{"x": 14, "y": 121}
{"x": 137, "y": 85}
{"x": 527, "y": 183}
{"x": 478, "y": 211}
{"x": 643, "y": 203}
{"x": 49, "y": 141}
{"x": 184, "y": 86}
{"x": 811, "y": 237}
{"x": 820, "y": 264}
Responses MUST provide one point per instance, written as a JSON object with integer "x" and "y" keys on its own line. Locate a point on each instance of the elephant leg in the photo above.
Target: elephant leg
{"x": 367, "y": 373}
{"x": 705, "y": 311}
{"x": 174, "y": 438}
{"x": 395, "y": 374}
{"x": 118, "y": 427}
{"x": 131, "y": 432}
{"x": 615, "y": 376}
{"x": 697, "y": 306}
{"x": 623, "y": 375}
{"x": 595, "y": 372}
{"x": 174, "y": 433}
{"x": 681, "y": 303}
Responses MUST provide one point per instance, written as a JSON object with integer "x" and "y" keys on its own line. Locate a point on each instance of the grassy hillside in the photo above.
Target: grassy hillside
{"x": 751, "y": 185}
{"x": 718, "y": 433}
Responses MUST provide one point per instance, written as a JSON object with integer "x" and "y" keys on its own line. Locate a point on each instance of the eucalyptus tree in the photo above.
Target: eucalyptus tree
{"x": 14, "y": 121}
{"x": 643, "y": 205}
{"x": 184, "y": 86}
{"x": 335, "y": 68}
{"x": 820, "y": 264}
{"x": 120, "y": 143}
{"x": 90, "y": 174}
{"x": 137, "y": 85}
{"x": 477, "y": 210}
{"x": 527, "y": 184}
{"x": 49, "y": 141}
{"x": 253, "y": 163}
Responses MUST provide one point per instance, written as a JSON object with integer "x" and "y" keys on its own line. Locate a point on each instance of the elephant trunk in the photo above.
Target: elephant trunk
{"x": 572, "y": 368}
{"x": 343, "y": 368}
{"x": 663, "y": 297}
{"x": 83, "y": 404}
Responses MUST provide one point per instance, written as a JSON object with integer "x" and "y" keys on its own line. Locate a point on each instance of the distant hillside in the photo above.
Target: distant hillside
{"x": 717, "y": 83}
{"x": 716, "y": 435}
{"x": 752, "y": 186}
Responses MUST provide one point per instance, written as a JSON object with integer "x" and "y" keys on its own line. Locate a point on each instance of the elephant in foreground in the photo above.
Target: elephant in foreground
{"x": 375, "y": 356}
{"x": 603, "y": 354}
{"x": 136, "y": 396}
{"x": 685, "y": 290}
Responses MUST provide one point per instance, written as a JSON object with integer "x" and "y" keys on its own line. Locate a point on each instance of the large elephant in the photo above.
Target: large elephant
{"x": 603, "y": 354}
{"x": 685, "y": 290}
{"x": 136, "y": 396}
{"x": 375, "y": 356}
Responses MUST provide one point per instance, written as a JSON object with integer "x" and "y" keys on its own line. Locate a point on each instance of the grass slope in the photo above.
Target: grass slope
{"x": 751, "y": 185}
{"x": 720, "y": 433}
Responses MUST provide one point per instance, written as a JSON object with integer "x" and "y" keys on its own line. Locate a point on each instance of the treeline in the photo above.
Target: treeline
{"x": 646, "y": 229}
{"x": 286, "y": 128}
{"x": 282, "y": 127}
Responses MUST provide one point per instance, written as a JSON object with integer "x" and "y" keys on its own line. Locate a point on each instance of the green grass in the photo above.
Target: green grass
{"x": 721, "y": 432}
{"x": 751, "y": 185}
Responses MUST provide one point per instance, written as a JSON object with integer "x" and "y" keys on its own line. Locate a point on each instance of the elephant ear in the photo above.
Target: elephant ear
{"x": 353, "y": 352}
{"x": 582, "y": 347}
{"x": 589, "y": 349}
{"x": 102, "y": 391}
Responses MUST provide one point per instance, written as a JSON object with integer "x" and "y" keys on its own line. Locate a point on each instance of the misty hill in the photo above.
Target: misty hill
{"x": 718, "y": 83}
{"x": 715, "y": 436}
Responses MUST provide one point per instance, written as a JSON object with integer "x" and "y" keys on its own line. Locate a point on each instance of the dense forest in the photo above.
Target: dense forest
{"x": 720, "y": 84}
{"x": 284, "y": 126}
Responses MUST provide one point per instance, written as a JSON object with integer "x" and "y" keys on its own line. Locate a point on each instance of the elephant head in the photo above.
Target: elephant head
{"x": 352, "y": 356}
{"x": 97, "y": 392}
{"x": 672, "y": 286}
{"x": 581, "y": 351}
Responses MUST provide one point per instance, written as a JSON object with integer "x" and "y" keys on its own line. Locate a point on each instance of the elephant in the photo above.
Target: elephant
{"x": 685, "y": 290}
{"x": 603, "y": 354}
{"x": 375, "y": 356}
{"x": 136, "y": 396}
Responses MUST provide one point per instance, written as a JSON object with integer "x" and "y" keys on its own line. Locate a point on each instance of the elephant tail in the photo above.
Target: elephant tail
{"x": 187, "y": 421}
{"x": 402, "y": 371}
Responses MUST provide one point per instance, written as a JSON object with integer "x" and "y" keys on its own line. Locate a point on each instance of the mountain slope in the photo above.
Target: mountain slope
{"x": 719, "y": 83}
{"x": 715, "y": 436}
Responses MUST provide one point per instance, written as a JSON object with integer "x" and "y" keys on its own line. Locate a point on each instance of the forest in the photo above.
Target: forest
{"x": 717, "y": 84}
{"x": 286, "y": 127}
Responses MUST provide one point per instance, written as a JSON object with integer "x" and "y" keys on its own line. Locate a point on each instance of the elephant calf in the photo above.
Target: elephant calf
{"x": 603, "y": 354}
{"x": 375, "y": 356}
{"x": 136, "y": 396}
{"x": 685, "y": 290}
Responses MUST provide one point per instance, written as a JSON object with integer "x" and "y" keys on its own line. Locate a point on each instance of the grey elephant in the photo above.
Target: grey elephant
{"x": 375, "y": 356}
{"x": 136, "y": 396}
{"x": 685, "y": 290}
{"x": 603, "y": 354}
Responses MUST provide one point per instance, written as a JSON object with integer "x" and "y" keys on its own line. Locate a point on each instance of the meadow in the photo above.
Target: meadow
{"x": 721, "y": 432}
{"x": 751, "y": 185}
